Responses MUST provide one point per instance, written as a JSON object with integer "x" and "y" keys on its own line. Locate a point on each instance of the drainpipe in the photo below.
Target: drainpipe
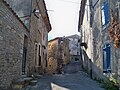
{"x": 91, "y": 36}
{"x": 80, "y": 46}
{"x": 95, "y": 4}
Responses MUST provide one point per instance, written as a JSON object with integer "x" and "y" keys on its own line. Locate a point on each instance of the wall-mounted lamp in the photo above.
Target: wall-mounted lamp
{"x": 36, "y": 13}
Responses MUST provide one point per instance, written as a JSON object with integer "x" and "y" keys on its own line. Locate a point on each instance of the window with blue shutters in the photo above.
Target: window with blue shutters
{"x": 105, "y": 13}
{"x": 106, "y": 58}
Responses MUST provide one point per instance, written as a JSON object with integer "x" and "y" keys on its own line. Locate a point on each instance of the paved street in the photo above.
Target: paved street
{"x": 72, "y": 79}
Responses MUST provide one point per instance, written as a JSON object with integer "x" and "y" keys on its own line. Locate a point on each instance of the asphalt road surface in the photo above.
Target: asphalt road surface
{"x": 73, "y": 78}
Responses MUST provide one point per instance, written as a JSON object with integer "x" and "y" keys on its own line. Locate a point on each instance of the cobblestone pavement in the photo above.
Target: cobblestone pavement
{"x": 72, "y": 79}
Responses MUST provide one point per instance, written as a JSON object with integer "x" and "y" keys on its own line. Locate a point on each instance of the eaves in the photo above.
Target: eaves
{"x": 81, "y": 13}
{"x": 8, "y": 6}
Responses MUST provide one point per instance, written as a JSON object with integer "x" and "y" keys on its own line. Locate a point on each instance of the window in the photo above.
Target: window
{"x": 36, "y": 12}
{"x": 64, "y": 54}
{"x": 36, "y": 46}
{"x": 39, "y": 55}
{"x": 105, "y": 14}
{"x": 103, "y": 17}
{"x": 24, "y": 54}
{"x": 87, "y": 13}
{"x": 46, "y": 60}
{"x": 61, "y": 41}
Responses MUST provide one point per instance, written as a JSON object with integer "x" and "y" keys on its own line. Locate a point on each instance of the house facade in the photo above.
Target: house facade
{"x": 100, "y": 37}
{"x": 14, "y": 37}
{"x": 39, "y": 27}
{"x": 58, "y": 55}
{"x": 74, "y": 47}
{"x": 24, "y": 28}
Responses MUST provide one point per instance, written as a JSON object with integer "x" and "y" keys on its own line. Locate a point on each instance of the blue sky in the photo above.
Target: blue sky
{"x": 63, "y": 15}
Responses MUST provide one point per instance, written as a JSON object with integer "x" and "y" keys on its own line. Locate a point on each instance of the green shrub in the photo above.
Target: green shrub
{"x": 108, "y": 85}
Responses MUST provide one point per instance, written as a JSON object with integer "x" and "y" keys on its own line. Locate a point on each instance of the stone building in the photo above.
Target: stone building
{"x": 39, "y": 29}
{"x": 14, "y": 36}
{"x": 34, "y": 16}
{"x": 24, "y": 28}
{"x": 74, "y": 47}
{"x": 58, "y": 54}
{"x": 99, "y": 25}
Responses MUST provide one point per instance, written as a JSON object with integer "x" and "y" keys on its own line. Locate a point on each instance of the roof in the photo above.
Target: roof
{"x": 74, "y": 36}
{"x": 42, "y": 9}
{"x": 14, "y": 14}
{"x": 81, "y": 13}
{"x": 45, "y": 15}
{"x": 54, "y": 39}
{"x": 58, "y": 38}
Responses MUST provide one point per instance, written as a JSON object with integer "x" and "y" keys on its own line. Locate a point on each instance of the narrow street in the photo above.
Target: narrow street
{"x": 42, "y": 43}
{"x": 72, "y": 79}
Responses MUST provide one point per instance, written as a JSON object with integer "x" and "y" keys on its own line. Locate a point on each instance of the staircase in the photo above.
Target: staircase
{"x": 22, "y": 82}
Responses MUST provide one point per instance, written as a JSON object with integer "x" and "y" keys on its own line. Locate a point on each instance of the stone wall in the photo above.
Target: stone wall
{"x": 58, "y": 54}
{"x": 65, "y": 52}
{"x": 101, "y": 37}
{"x": 12, "y": 33}
{"x": 15, "y": 38}
{"x": 74, "y": 44}
{"x": 52, "y": 56}
{"x": 115, "y": 49}
{"x": 45, "y": 47}
{"x": 38, "y": 51}
{"x": 96, "y": 36}
{"x": 98, "y": 42}
{"x": 38, "y": 38}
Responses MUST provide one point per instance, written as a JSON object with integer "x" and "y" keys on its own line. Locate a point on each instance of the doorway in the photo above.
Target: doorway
{"x": 24, "y": 54}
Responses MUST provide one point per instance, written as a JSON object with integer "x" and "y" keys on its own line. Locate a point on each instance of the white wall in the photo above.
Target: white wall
{"x": 74, "y": 46}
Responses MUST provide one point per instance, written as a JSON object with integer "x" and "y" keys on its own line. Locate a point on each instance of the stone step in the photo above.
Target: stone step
{"x": 23, "y": 82}
{"x": 33, "y": 82}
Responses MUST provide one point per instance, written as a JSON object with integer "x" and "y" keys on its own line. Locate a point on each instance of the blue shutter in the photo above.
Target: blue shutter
{"x": 105, "y": 9}
{"x": 106, "y": 58}
{"x": 106, "y": 12}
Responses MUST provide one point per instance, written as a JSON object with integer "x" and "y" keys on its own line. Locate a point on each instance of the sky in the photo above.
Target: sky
{"x": 63, "y": 15}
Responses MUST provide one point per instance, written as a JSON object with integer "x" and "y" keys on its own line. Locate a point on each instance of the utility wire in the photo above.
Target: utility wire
{"x": 68, "y": 1}
{"x": 72, "y": 2}
{"x": 79, "y": 3}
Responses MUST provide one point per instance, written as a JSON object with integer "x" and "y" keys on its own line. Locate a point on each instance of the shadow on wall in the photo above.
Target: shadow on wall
{"x": 91, "y": 68}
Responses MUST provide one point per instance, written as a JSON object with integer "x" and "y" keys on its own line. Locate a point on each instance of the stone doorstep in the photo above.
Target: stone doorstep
{"x": 33, "y": 82}
{"x": 38, "y": 76}
{"x": 23, "y": 82}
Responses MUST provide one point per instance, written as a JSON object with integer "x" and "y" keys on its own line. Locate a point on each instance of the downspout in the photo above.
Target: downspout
{"x": 80, "y": 46}
{"x": 91, "y": 37}
{"x": 95, "y": 4}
